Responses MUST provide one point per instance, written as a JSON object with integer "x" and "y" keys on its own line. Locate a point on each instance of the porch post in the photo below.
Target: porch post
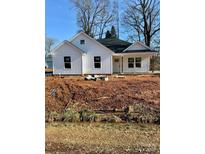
{"x": 122, "y": 65}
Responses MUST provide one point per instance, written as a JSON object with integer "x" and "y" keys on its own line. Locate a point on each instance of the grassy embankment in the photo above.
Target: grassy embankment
{"x": 102, "y": 138}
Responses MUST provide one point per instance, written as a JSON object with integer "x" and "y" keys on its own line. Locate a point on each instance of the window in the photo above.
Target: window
{"x": 134, "y": 62}
{"x": 82, "y": 41}
{"x": 130, "y": 62}
{"x": 97, "y": 62}
{"x": 138, "y": 62}
{"x": 67, "y": 62}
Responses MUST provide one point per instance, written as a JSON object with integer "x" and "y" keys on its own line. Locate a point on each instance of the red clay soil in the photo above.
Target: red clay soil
{"x": 113, "y": 94}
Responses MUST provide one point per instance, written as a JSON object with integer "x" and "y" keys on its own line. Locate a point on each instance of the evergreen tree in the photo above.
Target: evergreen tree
{"x": 113, "y": 32}
{"x": 108, "y": 34}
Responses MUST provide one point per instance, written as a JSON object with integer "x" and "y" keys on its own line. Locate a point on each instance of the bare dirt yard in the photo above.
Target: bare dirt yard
{"x": 102, "y": 138}
{"x": 117, "y": 132}
{"x": 116, "y": 93}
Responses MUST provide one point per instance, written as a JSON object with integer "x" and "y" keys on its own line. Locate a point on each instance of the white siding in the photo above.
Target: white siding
{"x": 83, "y": 63}
{"x": 145, "y": 64}
{"x": 58, "y": 60}
{"x": 92, "y": 48}
{"x": 136, "y": 46}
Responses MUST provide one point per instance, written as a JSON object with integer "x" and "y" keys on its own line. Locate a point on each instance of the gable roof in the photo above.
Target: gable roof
{"x": 92, "y": 39}
{"x": 114, "y": 44}
{"x": 141, "y": 47}
{"x": 68, "y": 43}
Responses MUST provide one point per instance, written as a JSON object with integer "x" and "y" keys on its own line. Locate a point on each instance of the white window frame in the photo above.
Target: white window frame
{"x": 131, "y": 62}
{"x": 138, "y": 62}
{"x": 134, "y": 62}
{"x": 68, "y": 62}
{"x": 97, "y": 62}
{"x": 82, "y": 41}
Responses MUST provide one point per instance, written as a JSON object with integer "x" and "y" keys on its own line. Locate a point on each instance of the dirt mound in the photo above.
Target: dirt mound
{"x": 105, "y": 95}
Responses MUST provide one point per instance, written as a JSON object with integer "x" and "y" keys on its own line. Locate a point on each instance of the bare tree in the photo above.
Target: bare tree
{"x": 105, "y": 20}
{"x": 143, "y": 16}
{"x": 49, "y": 43}
{"x": 117, "y": 18}
{"x": 93, "y": 16}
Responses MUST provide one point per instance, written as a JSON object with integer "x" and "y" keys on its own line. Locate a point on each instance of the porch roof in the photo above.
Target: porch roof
{"x": 120, "y": 46}
{"x": 137, "y": 51}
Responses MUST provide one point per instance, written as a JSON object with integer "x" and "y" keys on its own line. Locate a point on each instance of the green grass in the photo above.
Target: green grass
{"x": 102, "y": 138}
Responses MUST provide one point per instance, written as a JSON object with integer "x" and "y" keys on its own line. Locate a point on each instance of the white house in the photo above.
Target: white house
{"x": 85, "y": 55}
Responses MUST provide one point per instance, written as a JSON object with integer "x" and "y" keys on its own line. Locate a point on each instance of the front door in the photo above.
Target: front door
{"x": 116, "y": 65}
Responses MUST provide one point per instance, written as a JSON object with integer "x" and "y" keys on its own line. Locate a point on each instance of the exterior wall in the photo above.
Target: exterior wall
{"x": 83, "y": 63}
{"x": 92, "y": 49}
{"x": 136, "y": 46}
{"x": 145, "y": 64}
{"x": 58, "y": 60}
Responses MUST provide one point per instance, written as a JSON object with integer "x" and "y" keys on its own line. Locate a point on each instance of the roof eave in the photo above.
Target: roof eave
{"x": 92, "y": 40}
{"x": 68, "y": 43}
{"x": 135, "y": 53}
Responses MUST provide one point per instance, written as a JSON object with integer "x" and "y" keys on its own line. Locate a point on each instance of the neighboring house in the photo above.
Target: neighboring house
{"x": 48, "y": 61}
{"x": 85, "y": 55}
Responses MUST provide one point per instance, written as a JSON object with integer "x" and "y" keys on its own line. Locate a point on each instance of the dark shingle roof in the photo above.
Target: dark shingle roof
{"x": 118, "y": 46}
{"x": 115, "y": 44}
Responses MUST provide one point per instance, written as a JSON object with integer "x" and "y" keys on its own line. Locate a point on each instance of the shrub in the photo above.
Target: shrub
{"x": 70, "y": 115}
{"x": 155, "y": 63}
{"x": 141, "y": 118}
{"x": 52, "y": 116}
{"x": 86, "y": 115}
{"x": 108, "y": 118}
{"x": 114, "y": 118}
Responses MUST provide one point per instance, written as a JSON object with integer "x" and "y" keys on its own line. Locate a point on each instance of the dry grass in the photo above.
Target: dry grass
{"x": 102, "y": 138}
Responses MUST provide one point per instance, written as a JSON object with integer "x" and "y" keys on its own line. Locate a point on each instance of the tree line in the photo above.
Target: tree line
{"x": 140, "y": 18}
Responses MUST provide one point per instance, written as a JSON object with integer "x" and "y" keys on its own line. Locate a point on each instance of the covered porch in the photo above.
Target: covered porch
{"x": 131, "y": 63}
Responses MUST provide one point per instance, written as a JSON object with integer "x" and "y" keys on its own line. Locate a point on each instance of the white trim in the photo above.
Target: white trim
{"x": 131, "y": 62}
{"x": 135, "y": 53}
{"x": 75, "y": 36}
{"x": 111, "y": 64}
{"x": 97, "y": 62}
{"x": 92, "y": 39}
{"x": 82, "y": 70}
{"x": 145, "y": 45}
{"x": 68, "y": 43}
{"x": 120, "y": 61}
{"x": 134, "y": 62}
{"x": 137, "y": 42}
{"x": 117, "y": 54}
{"x": 67, "y": 62}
